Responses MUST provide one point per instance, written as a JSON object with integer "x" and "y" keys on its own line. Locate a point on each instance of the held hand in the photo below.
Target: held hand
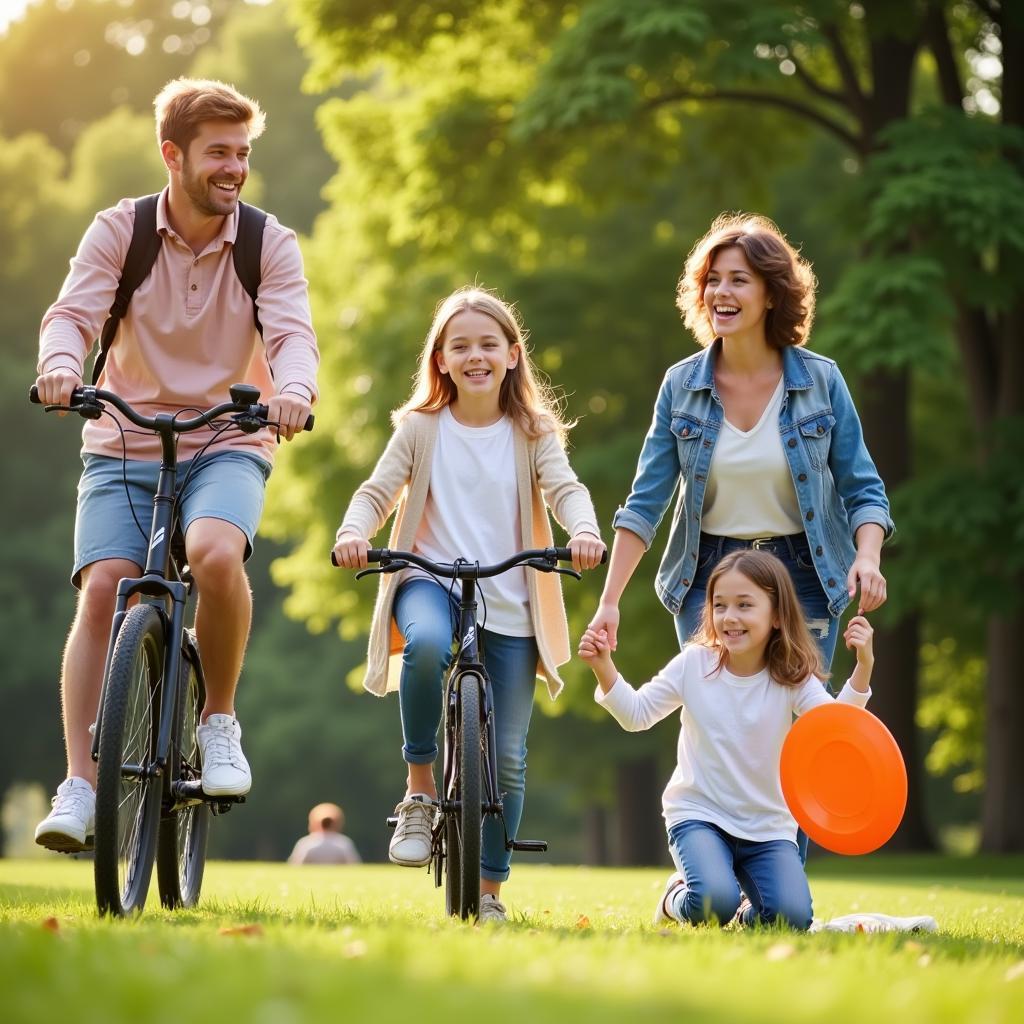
{"x": 858, "y": 637}
{"x": 606, "y": 618}
{"x": 55, "y": 387}
{"x": 594, "y": 648}
{"x": 350, "y": 551}
{"x": 290, "y": 411}
{"x": 865, "y": 572}
{"x": 586, "y": 551}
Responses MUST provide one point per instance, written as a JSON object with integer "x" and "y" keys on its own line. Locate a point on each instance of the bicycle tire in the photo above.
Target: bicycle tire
{"x": 469, "y": 817}
{"x": 183, "y": 835}
{"x": 128, "y": 807}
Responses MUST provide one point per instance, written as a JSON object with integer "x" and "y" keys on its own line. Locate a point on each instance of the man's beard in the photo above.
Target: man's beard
{"x": 200, "y": 193}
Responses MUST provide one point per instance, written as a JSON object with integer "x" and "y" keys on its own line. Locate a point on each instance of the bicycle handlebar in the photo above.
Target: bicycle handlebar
{"x": 87, "y": 401}
{"x": 545, "y": 559}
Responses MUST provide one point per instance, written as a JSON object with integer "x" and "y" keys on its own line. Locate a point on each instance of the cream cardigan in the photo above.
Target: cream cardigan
{"x": 402, "y": 478}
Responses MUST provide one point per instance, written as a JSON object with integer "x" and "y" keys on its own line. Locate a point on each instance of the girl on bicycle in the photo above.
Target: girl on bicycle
{"x": 751, "y": 666}
{"x": 476, "y": 459}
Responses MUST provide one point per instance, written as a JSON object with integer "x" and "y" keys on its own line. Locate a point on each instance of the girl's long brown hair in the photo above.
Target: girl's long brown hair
{"x": 525, "y": 396}
{"x": 791, "y": 655}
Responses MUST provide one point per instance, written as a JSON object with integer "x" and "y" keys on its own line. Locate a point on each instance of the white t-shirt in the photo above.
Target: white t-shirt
{"x": 733, "y": 727}
{"x": 750, "y": 490}
{"x": 472, "y": 512}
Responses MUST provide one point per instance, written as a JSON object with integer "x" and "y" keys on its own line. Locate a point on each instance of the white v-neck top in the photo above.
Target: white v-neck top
{"x": 750, "y": 490}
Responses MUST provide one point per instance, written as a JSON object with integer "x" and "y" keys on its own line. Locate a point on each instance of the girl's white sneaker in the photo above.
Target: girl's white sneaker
{"x": 491, "y": 909}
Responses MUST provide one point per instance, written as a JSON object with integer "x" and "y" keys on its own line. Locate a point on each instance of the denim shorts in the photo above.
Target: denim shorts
{"x": 226, "y": 485}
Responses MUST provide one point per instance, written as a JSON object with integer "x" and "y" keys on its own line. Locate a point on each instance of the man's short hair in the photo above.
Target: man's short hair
{"x": 183, "y": 104}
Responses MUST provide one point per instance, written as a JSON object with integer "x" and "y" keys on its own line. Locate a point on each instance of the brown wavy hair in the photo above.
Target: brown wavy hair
{"x": 788, "y": 278}
{"x": 525, "y": 396}
{"x": 791, "y": 654}
{"x": 183, "y": 104}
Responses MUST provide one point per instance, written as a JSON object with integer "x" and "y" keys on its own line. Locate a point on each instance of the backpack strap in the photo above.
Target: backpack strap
{"x": 142, "y": 254}
{"x": 247, "y": 253}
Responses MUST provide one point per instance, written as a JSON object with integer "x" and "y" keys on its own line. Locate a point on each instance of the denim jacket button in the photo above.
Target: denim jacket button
{"x": 686, "y": 431}
{"x": 791, "y": 442}
{"x": 831, "y": 583}
{"x": 818, "y": 550}
{"x": 821, "y": 430}
{"x": 686, "y": 583}
{"x": 802, "y": 477}
{"x": 810, "y": 514}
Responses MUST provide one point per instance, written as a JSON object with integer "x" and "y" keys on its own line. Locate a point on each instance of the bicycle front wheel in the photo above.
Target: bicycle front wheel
{"x": 468, "y": 820}
{"x": 181, "y": 848}
{"x": 127, "y": 795}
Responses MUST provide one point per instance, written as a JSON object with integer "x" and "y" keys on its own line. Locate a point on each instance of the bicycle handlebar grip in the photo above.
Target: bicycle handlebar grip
{"x": 373, "y": 555}
{"x": 565, "y": 555}
{"x": 310, "y": 420}
{"x": 33, "y": 395}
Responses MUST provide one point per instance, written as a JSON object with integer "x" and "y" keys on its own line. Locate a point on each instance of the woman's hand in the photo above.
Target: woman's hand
{"x": 858, "y": 637}
{"x": 595, "y": 650}
{"x": 606, "y": 619}
{"x": 350, "y": 551}
{"x": 587, "y": 551}
{"x": 866, "y": 573}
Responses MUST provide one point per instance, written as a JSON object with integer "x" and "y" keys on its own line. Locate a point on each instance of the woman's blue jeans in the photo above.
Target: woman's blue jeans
{"x": 427, "y": 618}
{"x": 795, "y": 554}
{"x": 714, "y": 865}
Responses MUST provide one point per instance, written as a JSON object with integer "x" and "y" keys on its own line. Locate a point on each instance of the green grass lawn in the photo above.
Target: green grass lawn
{"x": 371, "y": 943}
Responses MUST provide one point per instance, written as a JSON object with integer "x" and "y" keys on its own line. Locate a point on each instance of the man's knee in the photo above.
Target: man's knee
{"x": 216, "y": 552}
{"x": 99, "y": 589}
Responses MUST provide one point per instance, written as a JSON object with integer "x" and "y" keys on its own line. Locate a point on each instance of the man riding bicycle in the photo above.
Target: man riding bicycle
{"x": 190, "y": 331}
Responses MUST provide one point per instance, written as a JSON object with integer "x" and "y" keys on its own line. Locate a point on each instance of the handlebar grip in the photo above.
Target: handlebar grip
{"x": 372, "y": 555}
{"x": 33, "y": 395}
{"x": 310, "y": 420}
{"x": 565, "y": 555}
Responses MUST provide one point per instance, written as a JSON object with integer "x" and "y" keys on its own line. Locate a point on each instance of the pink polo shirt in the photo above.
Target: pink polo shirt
{"x": 188, "y": 334}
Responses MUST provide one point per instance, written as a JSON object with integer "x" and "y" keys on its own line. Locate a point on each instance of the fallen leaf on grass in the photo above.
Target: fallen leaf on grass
{"x": 780, "y": 951}
{"x": 1014, "y": 972}
{"x": 583, "y": 921}
{"x": 51, "y": 924}
{"x": 242, "y": 929}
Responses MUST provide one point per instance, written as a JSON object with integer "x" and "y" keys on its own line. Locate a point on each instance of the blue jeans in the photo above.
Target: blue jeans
{"x": 714, "y": 865}
{"x": 795, "y": 553}
{"x": 427, "y": 617}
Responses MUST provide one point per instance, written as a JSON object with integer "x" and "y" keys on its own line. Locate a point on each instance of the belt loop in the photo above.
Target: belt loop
{"x": 719, "y": 546}
{"x": 792, "y": 547}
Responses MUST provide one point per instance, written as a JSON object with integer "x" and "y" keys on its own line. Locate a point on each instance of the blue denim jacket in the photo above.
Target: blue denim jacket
{"x": 837, "y": 486}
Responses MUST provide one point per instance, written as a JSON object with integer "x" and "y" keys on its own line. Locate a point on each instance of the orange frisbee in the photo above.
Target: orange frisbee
{"x": 843, "y": 778}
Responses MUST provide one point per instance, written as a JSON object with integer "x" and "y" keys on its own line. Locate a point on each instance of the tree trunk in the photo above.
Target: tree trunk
{"x": 884, "y": 403}
{"x": 1002, "y": 807}
{"x": 641, "y": 834}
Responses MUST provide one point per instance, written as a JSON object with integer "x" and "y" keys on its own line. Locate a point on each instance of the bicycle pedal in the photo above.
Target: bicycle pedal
{"x": 528, "y": 845}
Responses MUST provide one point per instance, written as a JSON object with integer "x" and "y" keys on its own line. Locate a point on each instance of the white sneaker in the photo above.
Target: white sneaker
{"x": 662, "y": 913}
{"x": 225, "y": 771}
{"x": 70, "y": 826}
{"x": 410, "y": 845}
{"x": 491, "y": 909}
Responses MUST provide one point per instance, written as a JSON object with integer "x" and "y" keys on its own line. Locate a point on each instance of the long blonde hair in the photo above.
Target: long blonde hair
{"x": 791, "y": 654}
{"x": 525, "y": 396}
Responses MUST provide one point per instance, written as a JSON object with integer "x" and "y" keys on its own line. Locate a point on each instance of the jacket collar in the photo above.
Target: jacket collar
{"x": 702, "y": 372}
